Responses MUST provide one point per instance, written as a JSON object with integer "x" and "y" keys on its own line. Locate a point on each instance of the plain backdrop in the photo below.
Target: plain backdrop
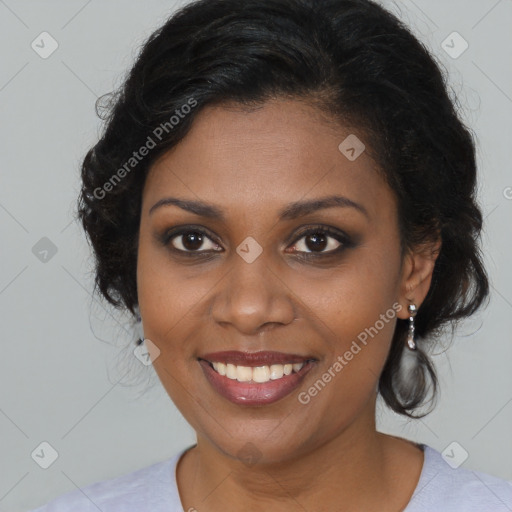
{"x": 65, "y": 378}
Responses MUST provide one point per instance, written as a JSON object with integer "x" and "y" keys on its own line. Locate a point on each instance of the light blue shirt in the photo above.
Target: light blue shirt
{"x": 154, "y": 489}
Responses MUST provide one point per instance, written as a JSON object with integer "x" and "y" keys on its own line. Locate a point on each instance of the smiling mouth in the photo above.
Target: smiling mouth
{"x": 256, "y": 378}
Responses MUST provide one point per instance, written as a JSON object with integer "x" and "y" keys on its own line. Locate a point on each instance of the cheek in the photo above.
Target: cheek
{"x": 357, "y": 320}
{"x": 355, "y": 310}
{"x": 168, "y": 299}
{"x": 167, "y": 305}
{"x": 350, "y": 298}
{"x": 360, "y": 328}
{"x": 172, "y": 304}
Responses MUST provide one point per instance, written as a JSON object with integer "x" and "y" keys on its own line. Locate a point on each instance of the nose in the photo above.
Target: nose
{"x": 253, "y": 298}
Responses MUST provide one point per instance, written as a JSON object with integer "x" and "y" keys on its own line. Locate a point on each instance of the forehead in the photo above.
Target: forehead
{"x": 281, "y": 152}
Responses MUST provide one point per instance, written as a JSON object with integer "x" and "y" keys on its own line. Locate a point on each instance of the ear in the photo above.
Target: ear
{"x": 416, "y": 275}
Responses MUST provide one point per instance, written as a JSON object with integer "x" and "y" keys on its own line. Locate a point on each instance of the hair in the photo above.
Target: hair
{"x": 352, "y": 59}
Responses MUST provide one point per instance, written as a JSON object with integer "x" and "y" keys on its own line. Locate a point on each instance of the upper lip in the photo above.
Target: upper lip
{"x": 262, "y": 358}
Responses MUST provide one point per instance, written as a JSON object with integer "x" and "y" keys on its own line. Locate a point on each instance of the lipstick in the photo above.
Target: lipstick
{"x": 255, "y": 378}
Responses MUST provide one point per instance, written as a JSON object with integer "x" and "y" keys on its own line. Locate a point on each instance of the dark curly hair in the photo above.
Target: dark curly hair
{"x": 350, "y": 58}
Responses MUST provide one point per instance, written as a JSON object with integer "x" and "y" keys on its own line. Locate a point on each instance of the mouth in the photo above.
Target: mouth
{"x": 256, "y": 378}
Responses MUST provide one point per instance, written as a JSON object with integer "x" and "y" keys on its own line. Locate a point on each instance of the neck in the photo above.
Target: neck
{"x": 355, "y": 470}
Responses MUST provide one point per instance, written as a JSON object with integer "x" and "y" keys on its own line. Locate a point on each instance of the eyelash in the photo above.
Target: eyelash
{"x": 339, "y": 236}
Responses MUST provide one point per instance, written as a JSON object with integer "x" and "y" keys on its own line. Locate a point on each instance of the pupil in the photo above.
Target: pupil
{"x": 319, "y": 241}
{"x": 192, "y": 241}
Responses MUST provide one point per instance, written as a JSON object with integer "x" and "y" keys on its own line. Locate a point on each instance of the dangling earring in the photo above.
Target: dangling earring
{"x": 138, "y": 327}
{"x": 410, "y": 335}
{"x": 410, "y": 378}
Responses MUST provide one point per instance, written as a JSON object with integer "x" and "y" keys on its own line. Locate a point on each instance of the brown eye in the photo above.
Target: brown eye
{"x": 320, "y": 241}
{"x": 192, "y": 241}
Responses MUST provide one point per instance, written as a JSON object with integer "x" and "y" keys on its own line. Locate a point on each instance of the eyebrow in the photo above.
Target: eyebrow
{"x": 289, "y": 212}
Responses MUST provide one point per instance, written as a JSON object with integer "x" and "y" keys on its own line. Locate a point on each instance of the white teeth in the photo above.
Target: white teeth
{"x": 220, "y": 368}
{"x": 231, "y": 371}
{"x": 261, "y": 374}
{"x": 243, "y": 373}
{"x": 276, "y": 371}
{"x": 258, "y": 374}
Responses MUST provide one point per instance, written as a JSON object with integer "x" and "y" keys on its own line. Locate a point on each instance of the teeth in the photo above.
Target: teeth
{"x": 220, "y": 368}
{"x": 231, "y": 371}
{"x": 243, "y": 373}
{"x": 261, "y": 374}
{"x": 276, "y": 371}
{"x": 258, "y": 374}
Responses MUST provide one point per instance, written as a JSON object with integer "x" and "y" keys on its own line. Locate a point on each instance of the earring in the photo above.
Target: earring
{"x": 410, "y": 335}
{"x": 410, "y": 377}
{"x": 138, "y": 327}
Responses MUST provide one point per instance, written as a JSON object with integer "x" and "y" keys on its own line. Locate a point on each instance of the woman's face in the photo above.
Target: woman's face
{"x": 249, "y": 280}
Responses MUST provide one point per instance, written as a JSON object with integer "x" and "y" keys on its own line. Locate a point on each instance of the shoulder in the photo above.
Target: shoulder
{"x": 444, "y": 488}
{"x": 152, "y": 486}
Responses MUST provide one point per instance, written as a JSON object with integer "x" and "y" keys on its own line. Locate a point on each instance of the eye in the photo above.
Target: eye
{"x": 321, "y": 240}
{"x": 190, "y": 240}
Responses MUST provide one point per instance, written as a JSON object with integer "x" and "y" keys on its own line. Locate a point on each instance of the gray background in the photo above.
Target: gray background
{"x": 65, "y": 377}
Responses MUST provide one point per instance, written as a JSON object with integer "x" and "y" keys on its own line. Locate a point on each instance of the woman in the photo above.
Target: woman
{"x": 286, "y": 196}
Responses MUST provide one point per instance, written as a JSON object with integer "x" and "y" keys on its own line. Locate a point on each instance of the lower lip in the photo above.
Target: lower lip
{"x": 252, "y": 393}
